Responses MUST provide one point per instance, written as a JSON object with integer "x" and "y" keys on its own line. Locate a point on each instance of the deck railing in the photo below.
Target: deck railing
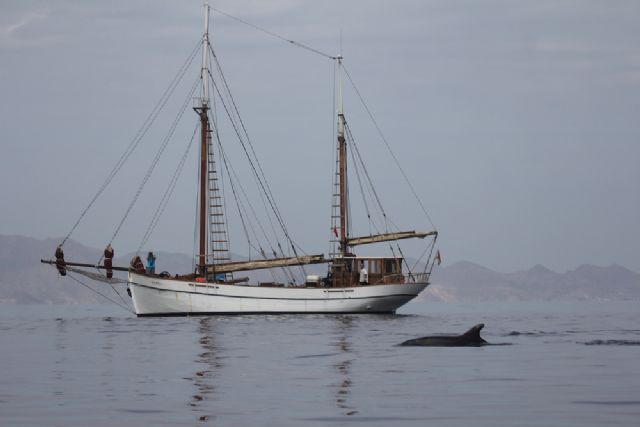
{"x": 416, "y": 278}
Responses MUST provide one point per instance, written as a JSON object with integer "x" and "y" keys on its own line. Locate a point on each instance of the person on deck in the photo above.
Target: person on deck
{"x": 151, "y": 263}
{"x": 364, "y": 274}
{"x": 137, "y": 265}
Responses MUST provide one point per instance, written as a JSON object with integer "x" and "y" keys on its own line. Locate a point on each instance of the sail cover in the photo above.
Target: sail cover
{"x": 376, "y": 238}
{"x": 266, "y": 263}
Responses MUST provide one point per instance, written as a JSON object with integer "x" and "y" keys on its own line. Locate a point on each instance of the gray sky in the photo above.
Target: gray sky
{"x": 517, "y": 122}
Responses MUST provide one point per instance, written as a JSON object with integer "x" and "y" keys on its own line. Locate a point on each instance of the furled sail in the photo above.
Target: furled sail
{"x": 376, "y": 238}
{"x": 266, "y": 263}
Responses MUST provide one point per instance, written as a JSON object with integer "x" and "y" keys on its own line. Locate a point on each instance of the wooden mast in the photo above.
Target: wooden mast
{"x": 204, "y": 127}
{"x": 204, "y": 134}
{"x": 342, "y": 162}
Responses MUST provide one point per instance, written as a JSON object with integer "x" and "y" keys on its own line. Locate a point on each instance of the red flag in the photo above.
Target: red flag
{"x": 335, "y": 231}
{"x": 438, "y": 258}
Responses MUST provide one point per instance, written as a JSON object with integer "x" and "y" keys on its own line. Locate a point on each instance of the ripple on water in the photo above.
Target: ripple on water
{"x": 608, "y": 402}
{"x": 612, "y": 342}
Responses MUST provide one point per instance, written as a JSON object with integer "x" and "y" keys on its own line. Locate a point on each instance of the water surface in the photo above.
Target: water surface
{"x": 570, "y": 364}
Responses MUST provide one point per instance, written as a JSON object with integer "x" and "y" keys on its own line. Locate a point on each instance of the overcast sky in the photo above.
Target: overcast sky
{"x": 517, "y": 122}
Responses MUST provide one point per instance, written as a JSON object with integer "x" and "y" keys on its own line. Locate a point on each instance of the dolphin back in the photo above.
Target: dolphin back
{"x": 471, "y": 338}
{"x": 473, "y": 334}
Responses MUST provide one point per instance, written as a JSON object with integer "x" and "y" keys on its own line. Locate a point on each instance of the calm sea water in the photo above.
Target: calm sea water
{"x": 570, "y": 364}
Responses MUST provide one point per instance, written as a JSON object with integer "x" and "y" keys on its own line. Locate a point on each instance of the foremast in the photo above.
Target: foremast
{"x": 214, "y": 261}
{"x": 203, "y": 112}
{"x": 210, "y": 212}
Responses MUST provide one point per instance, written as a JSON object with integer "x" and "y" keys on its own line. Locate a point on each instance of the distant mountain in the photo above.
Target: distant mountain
{"x": 24, "y": 280}
{"x": 472, "y": 282}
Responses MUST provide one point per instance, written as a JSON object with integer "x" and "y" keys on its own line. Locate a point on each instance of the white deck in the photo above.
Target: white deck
{"x": 165, "y": 297}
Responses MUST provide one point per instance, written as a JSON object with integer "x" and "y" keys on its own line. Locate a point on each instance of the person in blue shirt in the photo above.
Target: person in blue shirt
{"x": 151, "y": 263}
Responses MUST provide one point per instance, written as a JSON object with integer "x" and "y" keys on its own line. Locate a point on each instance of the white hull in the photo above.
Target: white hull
{"x": 166, "y": 297}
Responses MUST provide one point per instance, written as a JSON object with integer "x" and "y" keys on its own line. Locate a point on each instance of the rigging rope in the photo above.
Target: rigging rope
{"x": 234, "y": 180}
{"x": 117, "y": 293}
{"x": 430, "y": 249}
{"x": 167, "y": 194}
{"x": 101, "y": 278}
{"x": 255, "y": 174}
{"x": 233, "y": 191}
{"x": 364, "y": 198}
{"x": 155, "y": 160}
{"x": 232, "y": 118}
{"x": 386, "y": 143}
{"x": 100, "y": 293}
{"x": 366, "y": 174}
{"x": 260, "y": 177}
{"x": 271, "y": 33}
{"x": 135, "y": 142}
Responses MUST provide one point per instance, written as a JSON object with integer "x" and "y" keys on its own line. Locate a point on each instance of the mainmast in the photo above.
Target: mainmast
{"x": 342, "y": 167}
{"x": 204, "y": 135}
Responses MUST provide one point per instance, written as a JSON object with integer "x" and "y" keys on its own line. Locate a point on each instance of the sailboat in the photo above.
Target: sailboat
{"x": 351, "y": 284}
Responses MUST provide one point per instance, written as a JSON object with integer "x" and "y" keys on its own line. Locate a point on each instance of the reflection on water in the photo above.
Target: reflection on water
{"x": 107, "y": 359}
{"x": 208, "y": 363}
{"x": 344, "y": 326}
{"x": 60, "y": 355}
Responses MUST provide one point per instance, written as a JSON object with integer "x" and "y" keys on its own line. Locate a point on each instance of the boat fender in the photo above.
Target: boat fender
{"x": 61, "y": 265}
{"x": 108, "y": 260}
{"x": 129, "y": 292}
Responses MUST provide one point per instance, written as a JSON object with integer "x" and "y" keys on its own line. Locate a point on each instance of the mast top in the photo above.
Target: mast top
{"x": 340, "y": 102}
{"x": 205, "y": 58}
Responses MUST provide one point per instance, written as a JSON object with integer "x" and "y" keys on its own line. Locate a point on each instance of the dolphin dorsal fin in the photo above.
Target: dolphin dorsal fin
{"x": 474, "y": 333}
